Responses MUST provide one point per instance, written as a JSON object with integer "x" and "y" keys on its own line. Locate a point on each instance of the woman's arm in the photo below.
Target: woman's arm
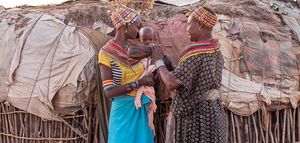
{"x": 106, "y": 74}
{"x": 170, "y": 82}
{"x": 115, "y": 91}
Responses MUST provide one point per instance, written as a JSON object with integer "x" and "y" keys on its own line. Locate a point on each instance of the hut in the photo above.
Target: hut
{"x": 43, "y": 103}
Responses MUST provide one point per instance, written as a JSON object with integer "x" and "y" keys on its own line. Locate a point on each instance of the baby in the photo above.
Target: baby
{"x": 146, "y": 35}
{"x": 146, "y": 38}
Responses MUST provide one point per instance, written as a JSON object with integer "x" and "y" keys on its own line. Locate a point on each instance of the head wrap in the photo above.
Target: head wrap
{"x": 205, "y": 17}
{"x": 123, "y": 15}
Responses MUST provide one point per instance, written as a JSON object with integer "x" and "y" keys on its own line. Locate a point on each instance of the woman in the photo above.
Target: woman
{"x": 200, "y": 117}
{"x": 120, "y": 76}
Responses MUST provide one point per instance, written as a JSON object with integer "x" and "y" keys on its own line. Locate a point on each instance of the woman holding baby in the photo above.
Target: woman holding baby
{"x": 121, "y": 76}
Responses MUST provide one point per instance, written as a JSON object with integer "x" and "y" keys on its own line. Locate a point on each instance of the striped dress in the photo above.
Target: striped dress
{"x": 126, "y": 123}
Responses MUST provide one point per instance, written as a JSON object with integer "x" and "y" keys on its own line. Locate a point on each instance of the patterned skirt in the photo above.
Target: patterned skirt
{"x": 206, "y": 124}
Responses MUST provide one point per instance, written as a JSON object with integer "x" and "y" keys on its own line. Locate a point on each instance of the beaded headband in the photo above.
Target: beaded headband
{"x": 205, "y": 17}
{"x": 123, "y": 15}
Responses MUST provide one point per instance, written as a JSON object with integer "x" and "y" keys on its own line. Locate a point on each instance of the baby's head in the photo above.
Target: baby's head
{"x": 146, "y": 35}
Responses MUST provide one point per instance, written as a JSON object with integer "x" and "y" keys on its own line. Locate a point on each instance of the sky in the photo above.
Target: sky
{"x": 13, "y": 3}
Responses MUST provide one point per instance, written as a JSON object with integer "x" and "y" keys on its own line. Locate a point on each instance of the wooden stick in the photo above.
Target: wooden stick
{"x": 72, "y": 117}
{"x": 50, "y": 129}
{"x": 237, "y": 125}
{"x": 10, "y": 126}
{"x": 68, "y": 131}
{"x": 288, "y": 127}
{"x": 233, "y": 127}
{"x": 26, "y": 122}
{"x": 13, "y": 122}
{"x": 37, "y": 126}
{"x": 16, "y": 125}
{"x": 293, "y": 126}
{"x": 63, "y": 135}
{"x": 255, "y": 128}
{"x": 284, "y": 122}
{"x": 277, "y": 134}
{"x": 72, "y": 133}
{"x": 247, "y": 138}
{"x": 90, "y": 125}
{"x": 45, "y": 130}
{"x": 30, "y": 126}
{"x": 267, "y": 130}
{"x": 250, "y": 125}
{"x": 55, "y": 129}
{"x": 22, "y": 130}
{"x": 260, "y": 126}
{"x": 64, "y": 130}
{"x": 270, "y": 129}
{"x": 1, "y": 125}
{"x": 6, "y": 123}
{"x": 298, "y": 125}
{"x": 96, "y": 139}
{"x": 280, "y": 126}
{"x": 41, "y": 126}
{"x": 61, "y": 129}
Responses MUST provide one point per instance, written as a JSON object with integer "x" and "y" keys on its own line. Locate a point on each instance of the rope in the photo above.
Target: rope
{"x": 8, "y": 113}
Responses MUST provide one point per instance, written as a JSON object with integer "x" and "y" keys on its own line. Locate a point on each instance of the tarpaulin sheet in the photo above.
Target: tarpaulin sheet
{"x": 243, "y": 96}
{"x": 262, "y": 56}
{"x": 172, "y": 35}
{"x": 50, "y": 70}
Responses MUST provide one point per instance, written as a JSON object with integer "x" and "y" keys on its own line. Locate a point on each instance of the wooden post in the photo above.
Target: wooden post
{"x": 293, "y": 118}
{"x": 237, "y": 125}
{"x": 255, "y": 128}
{"x": 284, "y": 123}
{"x": 233, "y": 127}
{"x": 289, "y": 126}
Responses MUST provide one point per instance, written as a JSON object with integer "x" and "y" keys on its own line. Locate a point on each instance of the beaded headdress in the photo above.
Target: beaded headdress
{"x": 205, "y": 17}
{"x": 123, "y": 15}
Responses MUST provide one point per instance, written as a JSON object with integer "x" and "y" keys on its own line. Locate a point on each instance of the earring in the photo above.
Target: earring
{"x": 126, "y": 31}
{"x": 200, "y": 29}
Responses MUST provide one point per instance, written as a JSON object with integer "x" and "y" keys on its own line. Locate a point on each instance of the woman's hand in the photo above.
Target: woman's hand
{"x": 157, "y": 52}
{"x": 146, "y": 81}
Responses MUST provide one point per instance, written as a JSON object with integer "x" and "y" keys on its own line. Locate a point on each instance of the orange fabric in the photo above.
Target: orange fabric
{"x": 107, "y": 81}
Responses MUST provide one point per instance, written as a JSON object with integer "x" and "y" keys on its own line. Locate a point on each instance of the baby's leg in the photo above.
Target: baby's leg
{"x": 151, "y": 120}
